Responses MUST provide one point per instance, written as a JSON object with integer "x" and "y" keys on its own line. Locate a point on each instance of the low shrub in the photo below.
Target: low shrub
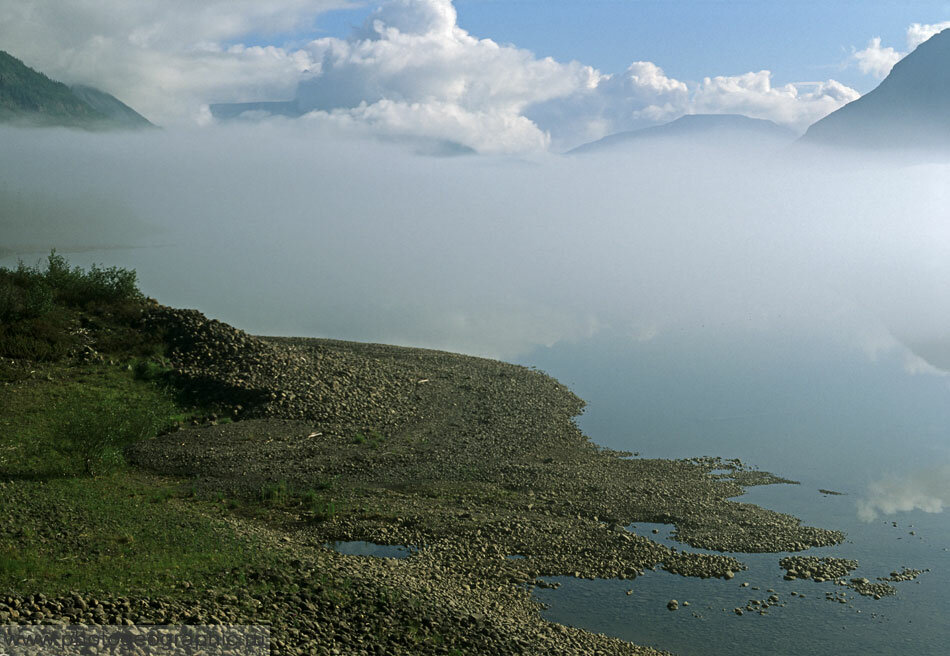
{"x": 40, "y": 310}
{"x": 274, "y": 493}
{"x": 321, "y": 508}
{"x": 78, "y": 288}
{"x": 151, "y": 371}
{"x": 28, "y": 292}
{"x": 27, "y": 300}
{"x": 33, "y": 344}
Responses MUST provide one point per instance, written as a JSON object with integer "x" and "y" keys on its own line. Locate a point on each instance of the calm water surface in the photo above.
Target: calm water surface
{"x": 821, "y": 413}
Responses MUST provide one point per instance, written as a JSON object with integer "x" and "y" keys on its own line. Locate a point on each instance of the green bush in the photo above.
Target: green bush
{"x": 45, "y": 338}
{"x": 151, "y": 371}
{"x": 24, "y": 301}
{"x": 28, "y": 291}
{"x": 321, "y": 508}
{"x": 79, "y": 288}
{"x": 39, "y": 307}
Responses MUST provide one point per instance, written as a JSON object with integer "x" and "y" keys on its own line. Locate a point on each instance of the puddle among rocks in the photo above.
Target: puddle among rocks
{"x": 662, "y": 533}
{"x": 361, "y": 548}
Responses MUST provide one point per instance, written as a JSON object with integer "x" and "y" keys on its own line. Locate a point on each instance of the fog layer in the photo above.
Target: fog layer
{"x": 280, "y": 228}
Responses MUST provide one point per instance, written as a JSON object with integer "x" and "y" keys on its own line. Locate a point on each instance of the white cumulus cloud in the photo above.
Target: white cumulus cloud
{"x": 876, "y": 59}
{"x": 411, "y": 70}
{"x": 753, "y": 94}
{"x": 640, "y": 96}
{"x": 484, "y": 131}
{"x": 918, "y": 33}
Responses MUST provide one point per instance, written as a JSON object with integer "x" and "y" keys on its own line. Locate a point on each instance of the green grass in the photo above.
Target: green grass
{"x": 92, "y": 433}
{"x": 319, "y": 506}
{"x": 151, "y": 370}
{"x": 73, "y": 514}
{"x": 279, "y": 496}
{"x": 64, "y": 421}
{"x": 120, "y": 533}
{"x": 274, "y": 494}
{"x": 112, "y": 529}
{"x": 372, "y": 438}
{"x": 79, "y": 518}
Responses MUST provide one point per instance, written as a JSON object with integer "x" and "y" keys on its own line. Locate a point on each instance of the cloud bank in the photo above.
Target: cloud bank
{"x": 409, "y": 71}
{"x": 794, "y": 105}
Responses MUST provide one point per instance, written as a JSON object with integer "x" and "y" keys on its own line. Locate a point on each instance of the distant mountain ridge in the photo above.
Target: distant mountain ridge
{"x": 909, "y": 109}
{"x": 693, "y": 126}
{"x": 228, "y": 111}
{"x": 30, "y": 97}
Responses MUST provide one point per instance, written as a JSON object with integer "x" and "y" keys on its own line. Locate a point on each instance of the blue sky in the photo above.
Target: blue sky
{"x": 798, "y": 41}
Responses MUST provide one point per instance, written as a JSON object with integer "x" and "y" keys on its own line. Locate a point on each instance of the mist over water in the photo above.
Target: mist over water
{"x": 367, "y": 240}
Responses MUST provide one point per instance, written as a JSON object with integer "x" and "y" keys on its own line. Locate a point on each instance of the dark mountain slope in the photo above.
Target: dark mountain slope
{"x": 29, "y": 97}
{"x": 909, "y": 109}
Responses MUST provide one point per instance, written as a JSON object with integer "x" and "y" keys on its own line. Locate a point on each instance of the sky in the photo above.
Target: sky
{"x": 690, "y": 39}
{"x": 509, "y": 77}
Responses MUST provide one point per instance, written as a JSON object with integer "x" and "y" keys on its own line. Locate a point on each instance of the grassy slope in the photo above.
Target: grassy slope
{"x": 111, "y": 528}
{"x": 117, "y": 531}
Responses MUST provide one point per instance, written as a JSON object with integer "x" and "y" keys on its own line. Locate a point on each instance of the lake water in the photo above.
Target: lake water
{"x": 811, "y": 410}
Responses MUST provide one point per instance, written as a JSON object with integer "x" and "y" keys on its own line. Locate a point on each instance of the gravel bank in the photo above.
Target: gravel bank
{"x": 469, "y": 460}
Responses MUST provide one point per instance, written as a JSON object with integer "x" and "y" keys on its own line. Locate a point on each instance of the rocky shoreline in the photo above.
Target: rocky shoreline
{"x": 475, "y": 463}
